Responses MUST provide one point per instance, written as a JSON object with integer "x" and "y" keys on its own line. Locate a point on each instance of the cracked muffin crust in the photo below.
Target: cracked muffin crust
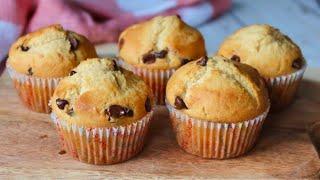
{"x": 218, "y": 89}
{"x": 50, "y": 52}
{"x": 98, "y": 93}
{"x": 264, "y": 48}
{"x": 163, "y": 42}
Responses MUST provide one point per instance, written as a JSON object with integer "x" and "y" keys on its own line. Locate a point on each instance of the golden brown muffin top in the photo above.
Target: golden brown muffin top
{"x": 219, "y": 90}
{"x": 50, "y": 52}
{"x": 163, "y": 42}
{"x": 100, "y": 94}
{"x": 265, "y": 48}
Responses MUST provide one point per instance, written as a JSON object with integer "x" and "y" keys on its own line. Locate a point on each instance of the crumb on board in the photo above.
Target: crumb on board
{"x": 43, "y": 136}
{"x": 61, "y": 152}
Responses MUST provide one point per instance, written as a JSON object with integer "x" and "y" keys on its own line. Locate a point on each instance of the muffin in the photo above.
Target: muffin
{"x": 156, "y": 48}
{"x": 277, "y": 58}
{"x": 102, "y": 112}
{"x": 217, "y": 107}
{"x": 37, "y": 61}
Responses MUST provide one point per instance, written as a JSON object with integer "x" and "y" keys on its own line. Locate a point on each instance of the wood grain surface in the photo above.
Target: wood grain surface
{"x": 29, "y": 146}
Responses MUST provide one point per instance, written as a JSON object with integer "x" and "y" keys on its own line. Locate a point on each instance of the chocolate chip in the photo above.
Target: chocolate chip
{"x": 30, "y": 71}
{"x": 179, "y": 103}
{"x": 148, "y": 58}
{"x": 235, "y": 58}
{"x": 115, "y": 66}
{"x": 185, "y": 61}
{"x": 70, "y": 112}
{"x": 61, "y": 103}
{"x": 121, "y": 42}
{"x": 72, "y": 73}
{"x": 24, "y": 48}
{"x": 147, "y": 105}
{"x": 178, "y": 16}
{"x": 203, "y": 61}
{"x": 129, "y": 112}
{"x": 73, "y": 42}
{"x": 116, "y": 111}
{"x": 297, "y": 63}
{"x": 161, "y": 54}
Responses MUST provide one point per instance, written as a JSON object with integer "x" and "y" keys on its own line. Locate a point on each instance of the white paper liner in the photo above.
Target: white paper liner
{"x": 156, "y": 79}
{"x": 103, "y": 145}
{"x": 282, "y": 89}
{"x": 215, "y": 140}
{"x": 34, "y": 92}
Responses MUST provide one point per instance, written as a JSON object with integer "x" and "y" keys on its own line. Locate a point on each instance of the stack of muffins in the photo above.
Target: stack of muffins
{"x": 102, "y": 111}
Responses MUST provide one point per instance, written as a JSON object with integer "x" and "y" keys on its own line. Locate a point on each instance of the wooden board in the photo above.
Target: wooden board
{"x": 29, "y": 146}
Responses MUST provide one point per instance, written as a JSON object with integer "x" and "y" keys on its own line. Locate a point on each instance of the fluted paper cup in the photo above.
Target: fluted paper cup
{"x": 34, "y": 92}
{"x": 282, "y": 89}
{"x": 103, "y": 145}
{"x": 156, "y": 79}
{"x": 215, "y": 140}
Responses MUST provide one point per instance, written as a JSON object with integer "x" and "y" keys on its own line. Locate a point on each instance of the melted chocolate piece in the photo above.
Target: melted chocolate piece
{"x": 161, "y": 54}
{"x": 72, "y": 73}
{"x": 147, "y": 105}
{"x": 185, "y": 61}
{"x": 235, "y": 58}
{"x": 148, "y": 58}
{"x": 115, "y": 66}
{"x": 61, "y": 103}
{"x": 30, "y": 71}
{"x": 73, "y": 42}
{"x": 179, "y": 103}
{"x": 117, "y": 111}
{"x": 24, "y": 48}
{"x": 120, "y": 44}
{"x": 297, "y": 63}
{"x": 203, "y": 61}
{"x": 70, "y": 112}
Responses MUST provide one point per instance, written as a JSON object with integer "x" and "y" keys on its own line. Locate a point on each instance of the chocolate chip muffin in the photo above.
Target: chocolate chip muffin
{"x": 216, "y": 104}
{"x": 105, "y": 106}
{"x": 277, "y": 58}
{"x": 155, "y": 48}
{"x": 38, "y": 60}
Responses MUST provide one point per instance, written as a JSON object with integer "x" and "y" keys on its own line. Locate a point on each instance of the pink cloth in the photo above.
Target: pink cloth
{"x": 99, "y": 20}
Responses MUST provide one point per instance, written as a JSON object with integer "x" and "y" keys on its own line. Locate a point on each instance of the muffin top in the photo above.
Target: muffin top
{"x": 100, "y": 94}
{"x": 50, "y": 52}
{"x": 219, "y": 90}
{"x": 265, "y": 48}
{"x": 163, "y": 42}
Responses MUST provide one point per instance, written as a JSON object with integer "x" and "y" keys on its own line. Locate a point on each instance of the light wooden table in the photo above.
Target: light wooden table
{"x": 29, "y": 144}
